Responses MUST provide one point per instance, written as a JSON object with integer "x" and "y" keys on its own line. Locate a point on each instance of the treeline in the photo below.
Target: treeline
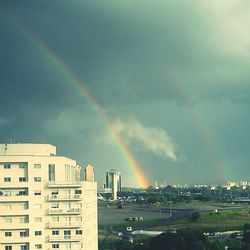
{"x": 185, "y": 239}
{"x": 169, "y": 193}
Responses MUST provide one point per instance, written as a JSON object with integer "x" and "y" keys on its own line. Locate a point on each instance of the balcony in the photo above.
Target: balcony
{"x": 14, "y": 212}
{"x": 72, "y": 248}
{"x": 14, "y": 225}
{"x": 65, "y": 238}
{"x": 65, "y": 248}
{"x": 76, "y": 197}
{"x": 14, "y": 240}
{"x": 15, "y": 184}
{"x": 14, "y": 198}
{"x": 57, "y": 184}
{"x": 65, "y": 211}
{"x": 75, "y": 224}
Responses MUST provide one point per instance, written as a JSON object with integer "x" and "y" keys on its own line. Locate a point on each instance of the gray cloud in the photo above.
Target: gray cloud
{"x": 4, "y": 121}
{"x": 172, "y": 65}
{"x": 153, "y": 139}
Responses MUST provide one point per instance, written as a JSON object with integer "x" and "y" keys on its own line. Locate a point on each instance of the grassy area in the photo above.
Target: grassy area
{"x": 221, "y": 221}
{"x": 135, "y": 224}
{"x": 199, "y": 204}
{"x": 219, "y": 217}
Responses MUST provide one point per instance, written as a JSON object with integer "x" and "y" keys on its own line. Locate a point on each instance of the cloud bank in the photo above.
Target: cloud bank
{"x": 153, "y": 139}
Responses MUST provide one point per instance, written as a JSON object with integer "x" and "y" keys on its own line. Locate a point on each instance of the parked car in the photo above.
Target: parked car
{"x": 140, "y": 218}
{"x": 135, "y": 219}
{"x": 129, "y": 219}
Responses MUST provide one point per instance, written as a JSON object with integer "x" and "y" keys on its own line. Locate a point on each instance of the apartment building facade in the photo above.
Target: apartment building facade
{"x": 43, "y": 203}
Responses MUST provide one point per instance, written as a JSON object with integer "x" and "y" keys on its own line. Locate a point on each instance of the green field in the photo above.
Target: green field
{"x": 221, "y": 221}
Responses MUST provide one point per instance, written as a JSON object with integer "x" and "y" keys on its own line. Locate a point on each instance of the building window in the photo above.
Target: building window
{"x": 7, "y": 206}
{"x": 37, "y": 166}
{"x": 54, "y": 194}
{"x": 78, "y": 205}
{"x": 38, "y": 219}
{"x": 51, "y": 172}
{"x": 78, "y": 232}
{"x": 22, "y": 179}
{"x": 23, "y": 205}
{"x": 37, "y": 192}
{"x": 67, "y": 234}
{"x": 22, "y": 165}
{"x": 8, "y": 234}
{"x": 24, "y": 247}
{"x": 54, "y": 205}
{"x": 37, "y": 179}
{"x": 38, "y": 233}
{"x": 55, "y": 218}
{"x": 23, "y": 192}
{"x": 55, "y": 232}
{"x": 78, "y": 218}
{"x": 24, "y": 234}
{"x": 8, "y": 247}
{"x": 38, "y": 246}
{"x": 24, "y": 220}
{"x": 7, "y": 166}
{"x": 8, "y": 220}
{"x": 55, "y": 246}
{"x": 7, "y": 179}
{"x": 78, "y": 191}
{"x": 7, "y": 193}
{"x": 38, "y": 206}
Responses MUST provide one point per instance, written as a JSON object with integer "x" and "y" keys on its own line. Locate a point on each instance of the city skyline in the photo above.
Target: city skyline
{"x": 152, "y": 89}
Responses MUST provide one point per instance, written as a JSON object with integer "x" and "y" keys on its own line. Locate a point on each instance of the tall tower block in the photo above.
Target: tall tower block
{"x": 89, "y": 173}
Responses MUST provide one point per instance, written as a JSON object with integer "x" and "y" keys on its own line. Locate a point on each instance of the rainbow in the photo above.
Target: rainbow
{"x": 202, "y": 129}
{"x": 140, "y": 177}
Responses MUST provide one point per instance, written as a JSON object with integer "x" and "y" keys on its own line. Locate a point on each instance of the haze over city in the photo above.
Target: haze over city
{"x": 159, "y": 86}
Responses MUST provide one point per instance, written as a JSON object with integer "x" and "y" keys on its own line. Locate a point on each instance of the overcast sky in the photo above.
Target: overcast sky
{"x": 173, "y": 77}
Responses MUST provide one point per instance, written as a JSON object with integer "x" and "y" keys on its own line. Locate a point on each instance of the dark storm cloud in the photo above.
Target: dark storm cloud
{"x": 139, "y": 59}
{"x": 126, "y": 50}
{"x": 32, "y": 88}
{"x": 116, "y": 49}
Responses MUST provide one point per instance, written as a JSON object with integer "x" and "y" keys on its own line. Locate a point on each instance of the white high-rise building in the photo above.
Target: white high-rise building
{"x": 113, "y": 181}
{"x": 43, "y": 203}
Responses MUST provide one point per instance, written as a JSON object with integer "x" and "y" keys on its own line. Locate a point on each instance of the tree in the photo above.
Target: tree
{"x": 167, "y": 241}
{"x": 234, "y": 244}
{"x": 216, "y": 245}
{"x": 195, "y": 216}
{"x": 246, "y": 235}
{"x": 123, "y": 245}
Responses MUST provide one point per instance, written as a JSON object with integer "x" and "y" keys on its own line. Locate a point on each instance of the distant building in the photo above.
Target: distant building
{"x": 89, "y": 174}
{"x": 113, "y": 181}
{"x": 231, "y": 184}
{"x": 43, "y": 203}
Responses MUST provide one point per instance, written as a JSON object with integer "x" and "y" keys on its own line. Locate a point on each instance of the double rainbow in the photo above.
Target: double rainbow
{"x": 59, "y": 65}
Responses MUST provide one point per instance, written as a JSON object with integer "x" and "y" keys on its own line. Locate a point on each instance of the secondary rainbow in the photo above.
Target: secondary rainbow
{"x": 202, "y": 128}
{"x": 54, "y": 59}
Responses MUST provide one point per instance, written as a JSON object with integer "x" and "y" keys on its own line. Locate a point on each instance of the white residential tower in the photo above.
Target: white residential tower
{"x": 43, "y": 203}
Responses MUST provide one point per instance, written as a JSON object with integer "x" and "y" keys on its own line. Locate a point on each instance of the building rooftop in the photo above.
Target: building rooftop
{"x": 27, "y": 149}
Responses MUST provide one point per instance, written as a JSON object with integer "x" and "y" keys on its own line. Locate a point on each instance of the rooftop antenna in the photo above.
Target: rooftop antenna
{"x": 12, "y": 140}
